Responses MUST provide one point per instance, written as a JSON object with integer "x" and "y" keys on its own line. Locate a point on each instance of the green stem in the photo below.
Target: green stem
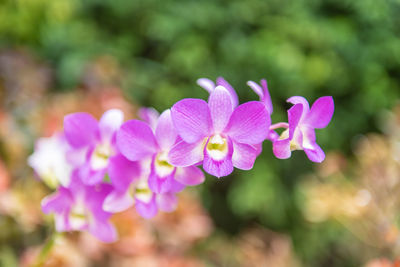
{"x": 44, "y": 253}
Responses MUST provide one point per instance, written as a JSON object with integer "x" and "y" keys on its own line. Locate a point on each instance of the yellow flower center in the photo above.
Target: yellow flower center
{"x": 101, "y": 155}
{"x": 217, "y": 147}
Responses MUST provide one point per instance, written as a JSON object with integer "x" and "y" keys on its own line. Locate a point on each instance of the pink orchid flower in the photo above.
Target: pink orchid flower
{"x": 300, "y": 132}
{"x": 218, "y": 134}
{"x": 97, "y": 139}
{"x": 78, "y": 207}
{"x": 159, "y": 180}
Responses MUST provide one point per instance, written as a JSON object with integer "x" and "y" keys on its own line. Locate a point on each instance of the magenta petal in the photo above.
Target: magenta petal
{"x": 316, "y": 154}
{"x": 136, "y": 140}
{"x": 57, "y": 202}
{"x": 122, "y": 171}
{"x": 256, "y": 88}
{"x": 281, "y": 149}
{"x": 166, "y": 134}
{"x": 267, "y": 97}
{"x": 94, "y": 198}
{"x": 272, "y": 135}
{"x": 258, "y": 148}
{"x": 80, "y": 129}
{"x": 221, "y": 81}
{"x": 184, "y": 154}
{"x": 117, "y": 201}
{"x": 249, "y": 123}
{"x": 219, "y": 168}
{"x": 321, "y": 112}
{"x": 167, "y": 202}
{"x": 149, "y": 115}
{"x": 191, "y": 175}
{"x": 90, "y": 176}
{"x": 220, "y": 107}
{"x": 146, "y": 210}
{"x": 308, "y": 140}
{"x": 159, "y": 184}
{"x": 176, "y": 187}
{"x": 299, "y": 100}
{"x": 110, "y": 122}
{"x": 243, "y": 156}
{"x": 104, "y": 231}
{"x": 294, "y": 116}
{"x": 192, "y": 119}
{"x": 207, "y": 84}
{"x": 263, "y": 93}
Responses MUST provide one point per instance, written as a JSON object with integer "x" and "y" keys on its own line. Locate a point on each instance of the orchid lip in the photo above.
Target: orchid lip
{"x": 162, "y": 167}
{"x": 217, "y": 147}
{"x": 141, "y": 191}
{"x": 78, "y": 217}
{"x": 101, "y": 155}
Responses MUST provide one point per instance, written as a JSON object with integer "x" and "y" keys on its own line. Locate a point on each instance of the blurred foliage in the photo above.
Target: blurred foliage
{"x": 155, "y": 51}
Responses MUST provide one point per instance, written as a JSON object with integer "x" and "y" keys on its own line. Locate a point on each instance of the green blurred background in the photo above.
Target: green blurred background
{"x": 344, "y": 48}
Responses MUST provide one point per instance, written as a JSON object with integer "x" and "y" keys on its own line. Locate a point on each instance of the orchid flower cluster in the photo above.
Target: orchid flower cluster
{"x": 99, "y": 168}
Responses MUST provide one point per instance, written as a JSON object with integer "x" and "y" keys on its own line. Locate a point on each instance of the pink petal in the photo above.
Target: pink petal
{"x": 146, "y": 210}
{"x": 118, "y": 201}
{"x": 184, "y": 154}
{"x": 294, "y": 116}
{"x": 90, "y": 176}
{"x": 167, "y": 202}
{"x": 192, "y": 119}
{"x": 149, "y": 115}
{"x": 220, "y": 107}
{"x": 258, "y": 148}
{"x": 321, "y": 112}
{"x": 308, "y": 137}
{"x": 80, "y": 129}
{"x": 316, "y": 154}
{"x": 136, "y": 140}
{"x": 263, "y": 93}
{"x": 57, "y": 202}
{"x": 110, "y": 122}
{"x": 158, "y": 184}
{"x": 94, "y": 198}
{"x": 166, "y": 134}
{"x": 256, "y": 88}
{"x": 281, "y": 149}
{"x": 272, "y": 136}
{"x": 177, "y": 187}
{"x": 190, "y": 176}
{"x": 221, "y": 81}
{"x": 104, "y": 231}
{"x": 249, "y": 123}
{"x": 267, "y": 97}
{"x": 122, "y": 171}
{"x": 299, "y": 100}
{"x": 207, "y": 84}
{"x": 219, "y": 168}
{"x": 243, "y": 156}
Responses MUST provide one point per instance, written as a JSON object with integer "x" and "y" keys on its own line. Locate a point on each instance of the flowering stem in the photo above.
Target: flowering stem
{"x": 44, "y": 253}
{"x": 279, "y": 125}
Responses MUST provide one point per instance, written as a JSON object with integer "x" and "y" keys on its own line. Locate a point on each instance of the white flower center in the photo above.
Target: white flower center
{"x": 217, "y": 147}
{"x": 161, "y": 165}
{"x": 78, "y": 217}
{"x": 293, "y": 143}
{"x": 101, "y": 155}
{"x": 142, "y": 191}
